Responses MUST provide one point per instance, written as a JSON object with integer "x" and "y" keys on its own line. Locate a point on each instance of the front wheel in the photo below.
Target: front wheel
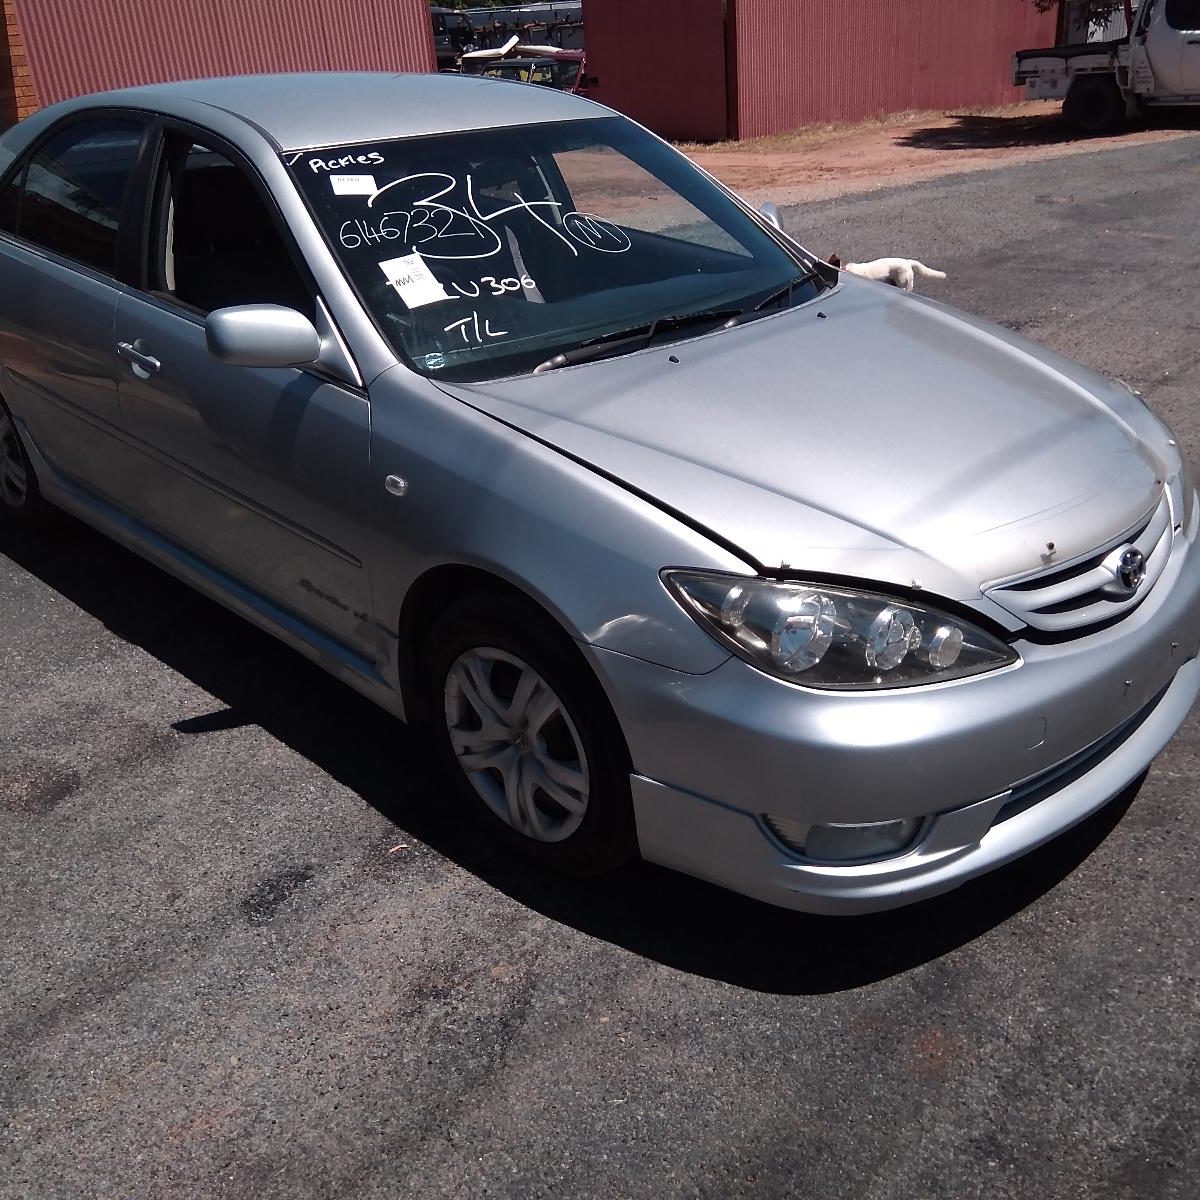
{"x": 527, "y": 737}
{"x": 1094, "y": 104}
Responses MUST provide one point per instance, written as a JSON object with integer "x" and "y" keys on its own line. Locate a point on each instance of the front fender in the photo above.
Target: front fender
{"x": 483, "y": 495}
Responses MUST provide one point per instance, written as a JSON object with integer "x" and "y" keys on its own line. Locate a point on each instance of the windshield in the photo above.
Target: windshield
{"x": 483, "y": 254}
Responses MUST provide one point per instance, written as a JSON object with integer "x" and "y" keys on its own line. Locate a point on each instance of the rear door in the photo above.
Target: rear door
{"x": 261, "y": 473}
{"x": 66, "y": 213}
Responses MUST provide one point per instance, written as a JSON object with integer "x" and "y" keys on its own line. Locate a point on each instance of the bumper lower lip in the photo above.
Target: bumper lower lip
{"x": 729, "y": 847}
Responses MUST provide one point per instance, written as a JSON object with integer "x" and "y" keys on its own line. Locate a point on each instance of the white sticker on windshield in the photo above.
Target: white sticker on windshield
{"x": 353, "y": 185}
{"x": 413, "y": 279}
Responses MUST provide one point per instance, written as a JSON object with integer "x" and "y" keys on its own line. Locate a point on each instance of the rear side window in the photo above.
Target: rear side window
{"x": 68, "y": 196}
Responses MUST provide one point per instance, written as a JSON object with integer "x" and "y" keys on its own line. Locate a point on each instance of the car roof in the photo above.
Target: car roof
{"x": 307, "y": 111}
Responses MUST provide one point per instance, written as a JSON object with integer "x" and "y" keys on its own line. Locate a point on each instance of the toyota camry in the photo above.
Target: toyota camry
{"x": 490, "y": 402}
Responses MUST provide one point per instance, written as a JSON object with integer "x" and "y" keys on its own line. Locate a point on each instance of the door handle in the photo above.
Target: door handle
{"x": 144, "y": 365}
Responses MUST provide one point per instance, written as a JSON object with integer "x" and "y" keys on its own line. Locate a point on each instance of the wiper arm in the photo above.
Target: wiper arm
{"x": 610, "y": 343}
{"x": 596, "y": 347}
{"x": 785, "y": 292}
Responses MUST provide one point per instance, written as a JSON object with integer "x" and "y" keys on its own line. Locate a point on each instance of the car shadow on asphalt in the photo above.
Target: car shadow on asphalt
{"x": 680, "y": 922}
{"x": 975, "y": 132}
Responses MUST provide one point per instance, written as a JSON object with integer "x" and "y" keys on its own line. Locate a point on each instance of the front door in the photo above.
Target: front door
{"x": 1173, "y": 46}
{"x": 260, "y": 473}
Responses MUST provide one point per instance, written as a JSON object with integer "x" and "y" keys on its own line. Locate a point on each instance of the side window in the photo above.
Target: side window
{"x": 221, "y": 244}
{"x": 73, "y": 188}
{"x": 1183, "y": 14}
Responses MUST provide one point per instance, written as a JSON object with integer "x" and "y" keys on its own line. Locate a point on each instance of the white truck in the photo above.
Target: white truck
{"x": 1101, "y": 83}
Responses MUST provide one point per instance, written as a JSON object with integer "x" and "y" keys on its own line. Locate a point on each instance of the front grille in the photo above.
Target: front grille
{"x": 1085, "y": 593}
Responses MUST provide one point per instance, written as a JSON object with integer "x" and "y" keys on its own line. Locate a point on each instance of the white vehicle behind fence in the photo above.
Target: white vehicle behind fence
{"x": 1102, "y": 83}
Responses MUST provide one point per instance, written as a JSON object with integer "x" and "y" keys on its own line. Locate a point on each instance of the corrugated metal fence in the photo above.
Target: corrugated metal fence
{"x": 709, "y": 69}
{"x": 802, "y": 61}
{"x": 78, "y": 46}
{"x": 662, "y": 63}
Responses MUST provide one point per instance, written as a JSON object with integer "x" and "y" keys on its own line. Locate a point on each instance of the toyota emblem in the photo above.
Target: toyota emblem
{"x": 1131, "y": 569}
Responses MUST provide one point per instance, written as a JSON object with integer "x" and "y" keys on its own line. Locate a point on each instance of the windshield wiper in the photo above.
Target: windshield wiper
{"x": 785, "y": 293}
{"x": 612, "y": 343}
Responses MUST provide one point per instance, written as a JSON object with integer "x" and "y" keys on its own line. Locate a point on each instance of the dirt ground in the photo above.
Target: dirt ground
{"x": 820, "y": 162}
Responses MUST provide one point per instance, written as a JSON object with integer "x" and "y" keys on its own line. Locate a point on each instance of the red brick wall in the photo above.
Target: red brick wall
{"x": 17, "y": 96}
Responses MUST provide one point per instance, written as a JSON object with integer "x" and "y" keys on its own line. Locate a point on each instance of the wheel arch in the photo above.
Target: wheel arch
{"x": 1084, "y": 106}
{"x": 432, "y": 593}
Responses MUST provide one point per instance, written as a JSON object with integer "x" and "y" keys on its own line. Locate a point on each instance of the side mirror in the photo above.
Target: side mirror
{"x": 773, "y": 215}
{"x": 262, "y": 335}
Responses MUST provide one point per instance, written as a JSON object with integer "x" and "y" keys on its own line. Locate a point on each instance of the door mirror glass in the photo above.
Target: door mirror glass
{"x": 262, "y": 335}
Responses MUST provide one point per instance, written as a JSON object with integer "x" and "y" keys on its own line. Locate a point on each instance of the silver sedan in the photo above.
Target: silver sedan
{"x": 673, "y": 539}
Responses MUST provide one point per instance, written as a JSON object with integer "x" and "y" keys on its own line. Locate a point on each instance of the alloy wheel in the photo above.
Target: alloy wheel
{"x": 14, "y": 475}
{"x": 517, "y": 744}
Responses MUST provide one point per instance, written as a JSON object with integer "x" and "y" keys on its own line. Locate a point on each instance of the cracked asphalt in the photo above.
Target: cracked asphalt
{"x": 247, "y": 950}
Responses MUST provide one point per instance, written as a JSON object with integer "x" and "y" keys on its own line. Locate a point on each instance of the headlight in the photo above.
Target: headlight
{"x": 835, "y": 637}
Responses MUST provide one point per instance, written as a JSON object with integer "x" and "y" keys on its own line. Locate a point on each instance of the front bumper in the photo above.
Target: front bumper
{"x": 997, "y": 765}
{"x": 730, "y": 847}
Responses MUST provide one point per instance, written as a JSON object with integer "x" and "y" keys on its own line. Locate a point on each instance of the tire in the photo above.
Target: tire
{"x": 1094, "y": 105}
{"x": 504, "y": 689}
{"x": 20, "y": 500}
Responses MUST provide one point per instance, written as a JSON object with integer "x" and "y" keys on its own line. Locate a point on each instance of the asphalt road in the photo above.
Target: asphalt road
{"x": 246, "y": 951}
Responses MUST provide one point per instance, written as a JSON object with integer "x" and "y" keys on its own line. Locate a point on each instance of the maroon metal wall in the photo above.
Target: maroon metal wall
{"x": 803, "y": 61}
{"x": 661, "y": 62}
{"x": 77, "y": 46}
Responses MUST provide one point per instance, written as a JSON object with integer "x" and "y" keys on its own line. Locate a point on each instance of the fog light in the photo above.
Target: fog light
{"x": 836, "y": 843}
